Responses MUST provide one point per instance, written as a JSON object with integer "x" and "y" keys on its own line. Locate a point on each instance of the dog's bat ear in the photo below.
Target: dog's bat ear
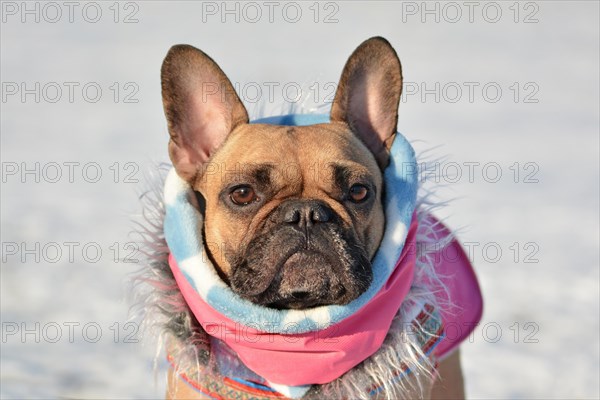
{"x": 368, "y": 96}
{"x": 201, "y": 107}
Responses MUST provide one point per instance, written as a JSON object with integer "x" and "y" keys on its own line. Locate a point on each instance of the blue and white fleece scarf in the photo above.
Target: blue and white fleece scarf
{"x": 183, "y": 233}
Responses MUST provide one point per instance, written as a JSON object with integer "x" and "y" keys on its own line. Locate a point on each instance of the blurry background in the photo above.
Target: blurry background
{"x": 508, "y": 92}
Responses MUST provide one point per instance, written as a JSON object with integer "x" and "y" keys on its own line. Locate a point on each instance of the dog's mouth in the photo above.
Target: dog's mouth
{"x": 281, "y": 270}
{"x": 306, "y": 280}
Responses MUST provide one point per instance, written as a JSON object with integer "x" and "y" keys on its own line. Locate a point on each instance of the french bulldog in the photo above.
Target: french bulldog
{"x": 293, "y": 215}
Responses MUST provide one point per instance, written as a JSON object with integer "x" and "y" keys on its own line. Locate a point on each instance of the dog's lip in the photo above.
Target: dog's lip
{"x": 290, "y": 300}
{"x": 300, "y": 305}
{"x": 277, "y": 270}
{"x": 293, "y": 252}
{"x": 299, "y": 250}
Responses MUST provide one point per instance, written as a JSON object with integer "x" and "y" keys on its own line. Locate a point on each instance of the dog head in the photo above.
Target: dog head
{"x": 292, "y": 214}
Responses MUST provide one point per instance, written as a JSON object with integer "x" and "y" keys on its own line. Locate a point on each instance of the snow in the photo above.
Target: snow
{"x": 65, "y": 331}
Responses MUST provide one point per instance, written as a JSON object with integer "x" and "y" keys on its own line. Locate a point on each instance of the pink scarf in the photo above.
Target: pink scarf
{"x": 315, "y": 357}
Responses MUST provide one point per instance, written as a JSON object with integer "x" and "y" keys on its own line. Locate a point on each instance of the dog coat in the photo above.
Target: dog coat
{"x": 259, "y": 351}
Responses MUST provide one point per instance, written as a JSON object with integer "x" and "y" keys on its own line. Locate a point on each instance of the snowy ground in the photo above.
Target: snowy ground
{"x": 64, "y": 313}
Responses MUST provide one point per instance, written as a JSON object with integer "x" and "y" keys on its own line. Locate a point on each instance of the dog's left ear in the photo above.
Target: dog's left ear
{"x": 201, "y": 106}
{"x": 368, "y": 96}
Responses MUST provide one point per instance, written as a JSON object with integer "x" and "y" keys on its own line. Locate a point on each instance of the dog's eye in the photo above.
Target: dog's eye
{"x": 358, "y": 193}
{"x": 243, "y": 195}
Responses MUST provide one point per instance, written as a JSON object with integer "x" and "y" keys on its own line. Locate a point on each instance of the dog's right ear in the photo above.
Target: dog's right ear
{"x": 368, "y": 96}
{"x": 201, "y": 107}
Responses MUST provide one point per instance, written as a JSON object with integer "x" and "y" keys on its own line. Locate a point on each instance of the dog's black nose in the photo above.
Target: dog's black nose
{"x": 305, "y": 213}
